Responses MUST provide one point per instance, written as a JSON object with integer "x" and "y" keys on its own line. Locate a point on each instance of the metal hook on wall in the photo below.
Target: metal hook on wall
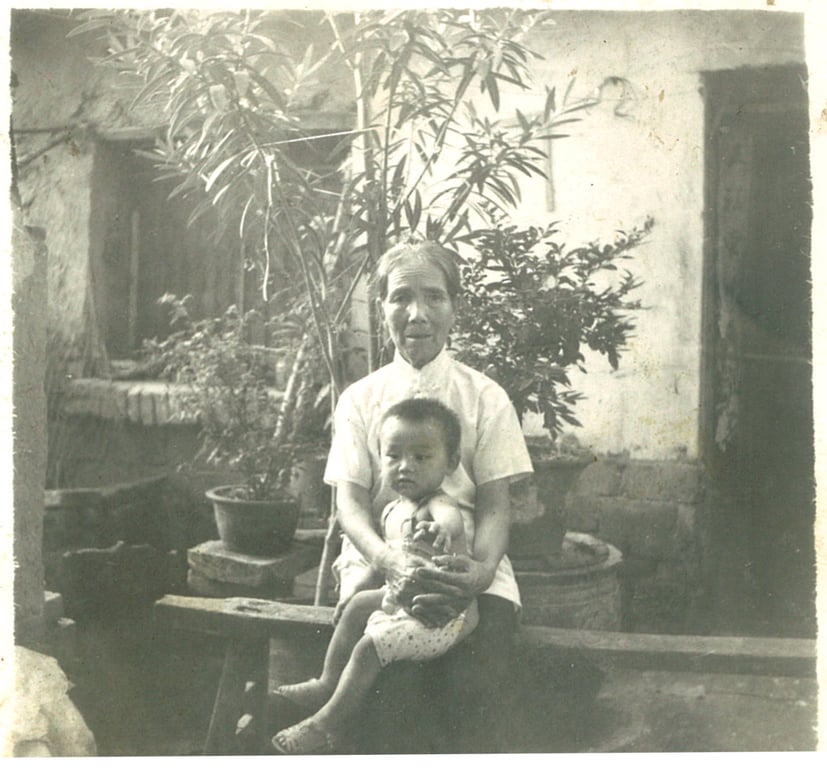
{"x": 621, "y": 91}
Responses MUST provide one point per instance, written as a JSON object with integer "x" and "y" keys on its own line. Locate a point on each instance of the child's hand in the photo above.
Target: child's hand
{"x": 389, "y": 603}
{"x": 430, "y": 530}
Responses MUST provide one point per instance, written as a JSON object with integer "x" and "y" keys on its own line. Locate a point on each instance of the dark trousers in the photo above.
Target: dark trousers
{"x": 461, "y": 702}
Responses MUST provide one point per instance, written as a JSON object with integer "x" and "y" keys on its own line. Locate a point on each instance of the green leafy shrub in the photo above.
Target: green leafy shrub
{"x": 531, "y": 306}
{"x": 228, "y": 387}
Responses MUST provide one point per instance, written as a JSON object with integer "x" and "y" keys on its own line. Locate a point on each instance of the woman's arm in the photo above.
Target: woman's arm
{"x": 492, "y": 515}
{"x": 353, "y": 505}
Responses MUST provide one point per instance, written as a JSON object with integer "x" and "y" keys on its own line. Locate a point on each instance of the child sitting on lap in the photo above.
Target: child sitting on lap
{"x": 419, "y": 445}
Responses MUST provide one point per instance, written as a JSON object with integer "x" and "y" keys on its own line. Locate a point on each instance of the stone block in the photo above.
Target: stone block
{"x": 206, "y": 587}
{"x": 661, "y": 481}
{"x": 582, "y": 512}
{"x": 43, "y": 721}
{"x": 105, "y": 580}
{"x": 114, "y": 404}
{"x": 147, "y": 407}
{"x": 212, "y": 560}
{"x": 600, "y": 478}
{"x": 162, "y": 409}
{"x": 639, "y": 528}
{"x": 133, "y": 405}
{"x": 687, "y": 534}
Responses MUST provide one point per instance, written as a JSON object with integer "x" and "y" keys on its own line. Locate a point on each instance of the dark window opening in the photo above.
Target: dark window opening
{"x": 142, "y": 247}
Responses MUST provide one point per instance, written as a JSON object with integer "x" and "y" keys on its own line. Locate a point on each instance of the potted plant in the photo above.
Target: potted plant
{"x": 227, "y": 384}
{"x": 531, "y": 307}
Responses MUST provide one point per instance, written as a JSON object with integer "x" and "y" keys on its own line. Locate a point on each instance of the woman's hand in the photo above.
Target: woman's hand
{"x": 392, "y": 564}
{"x": 447, "y": 587}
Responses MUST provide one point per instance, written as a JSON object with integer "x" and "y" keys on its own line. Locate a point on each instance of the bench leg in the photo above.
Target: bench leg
{"x": 244, "y": 661}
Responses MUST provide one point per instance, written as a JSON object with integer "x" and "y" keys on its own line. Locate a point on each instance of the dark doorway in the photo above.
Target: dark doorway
{"x": 757, "y": 419}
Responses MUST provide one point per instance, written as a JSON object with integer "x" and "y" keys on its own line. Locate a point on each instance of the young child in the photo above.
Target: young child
{"x": 419, "y": 445}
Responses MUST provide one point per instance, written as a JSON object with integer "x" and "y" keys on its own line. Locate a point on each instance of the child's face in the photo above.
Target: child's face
{"x": 414, "y": 458}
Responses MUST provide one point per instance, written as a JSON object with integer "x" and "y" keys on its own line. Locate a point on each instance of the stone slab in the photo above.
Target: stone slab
{"x": 95, "y": 581}
{"x": 662, "y": 481}
{"x": 206, "y": 587}
{"x": 600, "y": 478}
{"x": 214, "y": 561}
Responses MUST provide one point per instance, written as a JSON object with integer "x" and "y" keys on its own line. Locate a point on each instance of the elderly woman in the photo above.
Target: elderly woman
{"x": 418, "y": 287}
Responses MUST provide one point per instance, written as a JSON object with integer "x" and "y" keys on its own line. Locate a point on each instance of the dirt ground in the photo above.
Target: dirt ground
{"x": 136, "y": 696}
{"x": 141, "y": 696}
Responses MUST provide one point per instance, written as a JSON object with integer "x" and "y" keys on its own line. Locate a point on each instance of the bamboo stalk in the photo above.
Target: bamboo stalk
{"x": 328, "y": 554}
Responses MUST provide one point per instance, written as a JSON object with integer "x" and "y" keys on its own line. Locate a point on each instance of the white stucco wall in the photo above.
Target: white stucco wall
{"x": 612, "y": 172}
{"x": 60, "y": 100}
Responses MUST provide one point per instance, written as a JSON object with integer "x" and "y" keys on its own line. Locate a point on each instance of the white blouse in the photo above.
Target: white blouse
{"x": 492, "y": 445}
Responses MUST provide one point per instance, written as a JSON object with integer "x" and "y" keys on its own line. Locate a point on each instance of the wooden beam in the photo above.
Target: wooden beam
{"x": 241, "y": 617}
{"x": 243, "y": 659}
{"x": 697, "y": 653}
{"x": 247, "y": 618}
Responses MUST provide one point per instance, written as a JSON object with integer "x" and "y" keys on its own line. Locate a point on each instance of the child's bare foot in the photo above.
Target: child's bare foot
{"x": 310, "y": 695}
{"x": 308, "y": 737}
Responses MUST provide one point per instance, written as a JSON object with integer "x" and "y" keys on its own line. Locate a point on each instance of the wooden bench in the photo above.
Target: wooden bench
{"x": 289, "y": 640}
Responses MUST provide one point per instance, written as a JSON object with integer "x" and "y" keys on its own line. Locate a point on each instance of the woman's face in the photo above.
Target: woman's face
{"x": 418, "y": 311}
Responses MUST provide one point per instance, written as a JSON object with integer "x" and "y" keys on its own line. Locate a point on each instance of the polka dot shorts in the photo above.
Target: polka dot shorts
{"x": 398, "y": 636}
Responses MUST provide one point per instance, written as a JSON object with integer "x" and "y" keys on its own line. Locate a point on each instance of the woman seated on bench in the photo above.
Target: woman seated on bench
{"x": 418, "y": 287}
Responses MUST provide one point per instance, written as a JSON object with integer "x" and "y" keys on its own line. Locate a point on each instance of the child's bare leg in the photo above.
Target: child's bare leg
{"x": 356, "y": 679}
{"x": 313, "y": 693}
{"x": 353, "y": 581}
{"x": 326, "y": 731}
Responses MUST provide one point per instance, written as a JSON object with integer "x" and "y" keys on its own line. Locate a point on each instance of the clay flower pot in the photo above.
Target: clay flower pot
{"x": 254, "y": 527}
{"x": 541, "y": 539}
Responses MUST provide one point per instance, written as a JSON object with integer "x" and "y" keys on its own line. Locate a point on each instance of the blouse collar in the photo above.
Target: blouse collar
{"x": 430, "y": 376}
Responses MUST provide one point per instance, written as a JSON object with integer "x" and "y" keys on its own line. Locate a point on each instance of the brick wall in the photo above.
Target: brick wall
{"x": 650, "y": 510}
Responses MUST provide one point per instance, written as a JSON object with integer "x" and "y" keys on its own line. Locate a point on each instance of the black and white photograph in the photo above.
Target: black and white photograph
{"x": 489, "y": 332}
